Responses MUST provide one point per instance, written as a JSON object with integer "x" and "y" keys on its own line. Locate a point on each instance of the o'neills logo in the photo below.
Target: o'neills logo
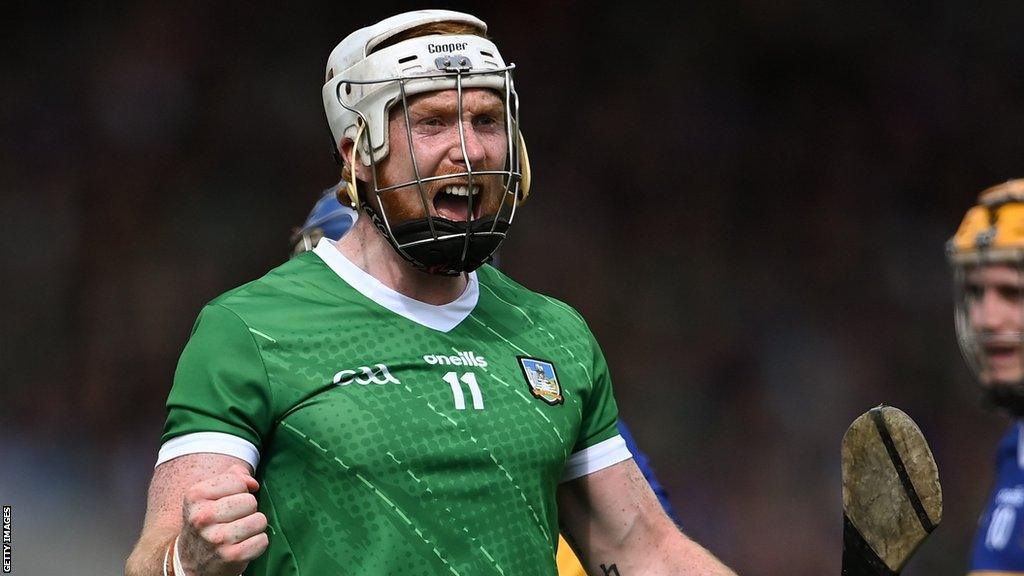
{"x": 460, "y": 359}
{"x": 452, "y": 47}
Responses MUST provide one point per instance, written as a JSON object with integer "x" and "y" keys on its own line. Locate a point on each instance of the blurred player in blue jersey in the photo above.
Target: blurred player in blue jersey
{"x": 331, "y": 219}
{"x": 987, "y": 257}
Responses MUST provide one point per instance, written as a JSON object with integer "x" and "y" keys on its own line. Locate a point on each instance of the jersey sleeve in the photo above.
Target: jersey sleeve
{"x": 220, "y": 401}
{"x": 599, "y": 444}
{"x": 600, "y": 411}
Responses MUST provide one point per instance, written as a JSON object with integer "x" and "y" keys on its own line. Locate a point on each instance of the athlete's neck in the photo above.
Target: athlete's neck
{"x": 366, "y": 248}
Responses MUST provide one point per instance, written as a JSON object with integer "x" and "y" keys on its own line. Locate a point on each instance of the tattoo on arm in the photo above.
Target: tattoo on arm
{"x": 612, "y": 570}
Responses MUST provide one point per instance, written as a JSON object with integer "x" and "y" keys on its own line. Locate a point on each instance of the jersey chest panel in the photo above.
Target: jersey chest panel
{"x": 999, "y": 543}
{"x": 408, "y": 439}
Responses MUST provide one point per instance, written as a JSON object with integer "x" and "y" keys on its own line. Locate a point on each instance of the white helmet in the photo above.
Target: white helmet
{"x": 363, "y": 84}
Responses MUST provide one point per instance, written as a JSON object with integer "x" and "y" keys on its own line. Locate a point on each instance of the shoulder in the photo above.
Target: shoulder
{"x": 294, "y": 282}
{"x": 496, "y": 284}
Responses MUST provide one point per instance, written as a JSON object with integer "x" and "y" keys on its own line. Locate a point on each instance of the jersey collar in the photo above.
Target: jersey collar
{"x": 442, "y": 318}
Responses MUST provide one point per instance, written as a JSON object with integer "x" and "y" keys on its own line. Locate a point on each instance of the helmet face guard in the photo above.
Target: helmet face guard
{"x": 360, "y": 102}
{"x": 432, "y": 243}
{"x": 987, "y": 259}
{"x": 989, "y": 317}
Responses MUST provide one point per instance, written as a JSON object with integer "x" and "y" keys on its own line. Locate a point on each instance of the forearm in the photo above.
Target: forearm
{"x": 675, "y": 553}
{"x": 655, "y": 551}
{"x": 617, "y": 525}
{"x": 147, "y": 558}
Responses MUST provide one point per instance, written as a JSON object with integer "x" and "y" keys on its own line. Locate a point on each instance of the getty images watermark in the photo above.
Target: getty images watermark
{"x": 7, "y": 539}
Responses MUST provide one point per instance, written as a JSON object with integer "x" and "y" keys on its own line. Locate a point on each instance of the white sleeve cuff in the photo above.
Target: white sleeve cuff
{"x": 597, "y": 457}
{"x": 209, "y": 442}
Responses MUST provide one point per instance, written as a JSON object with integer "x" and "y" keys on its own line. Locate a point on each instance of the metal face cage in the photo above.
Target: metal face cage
{"x": 489, "y": 230}
{"x": 989, "y": 319}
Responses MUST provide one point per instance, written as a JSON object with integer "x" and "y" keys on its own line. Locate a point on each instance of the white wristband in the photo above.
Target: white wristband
{"x": 178, "y": 570}
{"x": 167, "y": 553}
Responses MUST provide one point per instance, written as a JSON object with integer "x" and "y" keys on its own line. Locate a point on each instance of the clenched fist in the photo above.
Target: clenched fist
{"x": 222, "y": 530}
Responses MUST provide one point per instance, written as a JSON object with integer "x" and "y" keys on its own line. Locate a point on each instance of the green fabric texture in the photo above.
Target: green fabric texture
{"x": 368, "y": 463}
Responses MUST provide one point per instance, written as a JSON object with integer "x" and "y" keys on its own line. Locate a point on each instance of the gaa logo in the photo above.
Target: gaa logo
{"x": 379, "y": 374}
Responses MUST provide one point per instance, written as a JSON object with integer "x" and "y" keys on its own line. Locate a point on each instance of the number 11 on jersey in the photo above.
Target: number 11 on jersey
{"x": 474, "y": 390}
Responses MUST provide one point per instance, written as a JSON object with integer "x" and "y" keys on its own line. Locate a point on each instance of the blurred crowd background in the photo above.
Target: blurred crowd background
{"x": 747, "y": 199}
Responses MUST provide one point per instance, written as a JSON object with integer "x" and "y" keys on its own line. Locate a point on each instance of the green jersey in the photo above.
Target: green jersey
{"x": 391, "y": 436}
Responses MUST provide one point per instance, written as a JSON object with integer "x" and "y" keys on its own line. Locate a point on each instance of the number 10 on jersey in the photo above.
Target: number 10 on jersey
{"x": 469, "y": 379}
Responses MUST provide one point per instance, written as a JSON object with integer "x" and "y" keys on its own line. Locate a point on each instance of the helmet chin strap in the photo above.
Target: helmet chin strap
{"x": 1008, "y": 396}
{"x": 469, "y": 245}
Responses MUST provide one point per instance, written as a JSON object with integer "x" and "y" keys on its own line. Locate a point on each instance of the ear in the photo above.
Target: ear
{"x": 362, "y": 172}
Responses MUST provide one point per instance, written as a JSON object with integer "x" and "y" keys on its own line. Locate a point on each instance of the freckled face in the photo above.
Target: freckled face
{"x": 433, "y": 123}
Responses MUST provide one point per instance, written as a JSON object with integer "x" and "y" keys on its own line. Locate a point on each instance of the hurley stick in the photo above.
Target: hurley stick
{"x": 891, "y": 494}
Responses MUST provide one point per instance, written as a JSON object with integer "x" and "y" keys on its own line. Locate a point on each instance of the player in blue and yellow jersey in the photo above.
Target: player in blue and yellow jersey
{"x": 388, "y": 403}
{"x": 987, "y": 256}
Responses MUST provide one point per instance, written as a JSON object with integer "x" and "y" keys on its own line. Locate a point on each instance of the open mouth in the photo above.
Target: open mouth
{"x": 1002, "y": 352}
{"x": 452, "y": 202}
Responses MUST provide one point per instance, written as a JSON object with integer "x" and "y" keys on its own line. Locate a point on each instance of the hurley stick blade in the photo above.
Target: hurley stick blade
{"x": 891, "y": 494}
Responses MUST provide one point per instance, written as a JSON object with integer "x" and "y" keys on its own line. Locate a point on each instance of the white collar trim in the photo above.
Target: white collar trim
{"x": 442, "y": 318}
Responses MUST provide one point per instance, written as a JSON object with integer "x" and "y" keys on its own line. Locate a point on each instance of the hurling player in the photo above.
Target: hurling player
{"x": 987, "y": 257}
{"x": 388, "y": 404}
{"x": 331, "y": 219}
